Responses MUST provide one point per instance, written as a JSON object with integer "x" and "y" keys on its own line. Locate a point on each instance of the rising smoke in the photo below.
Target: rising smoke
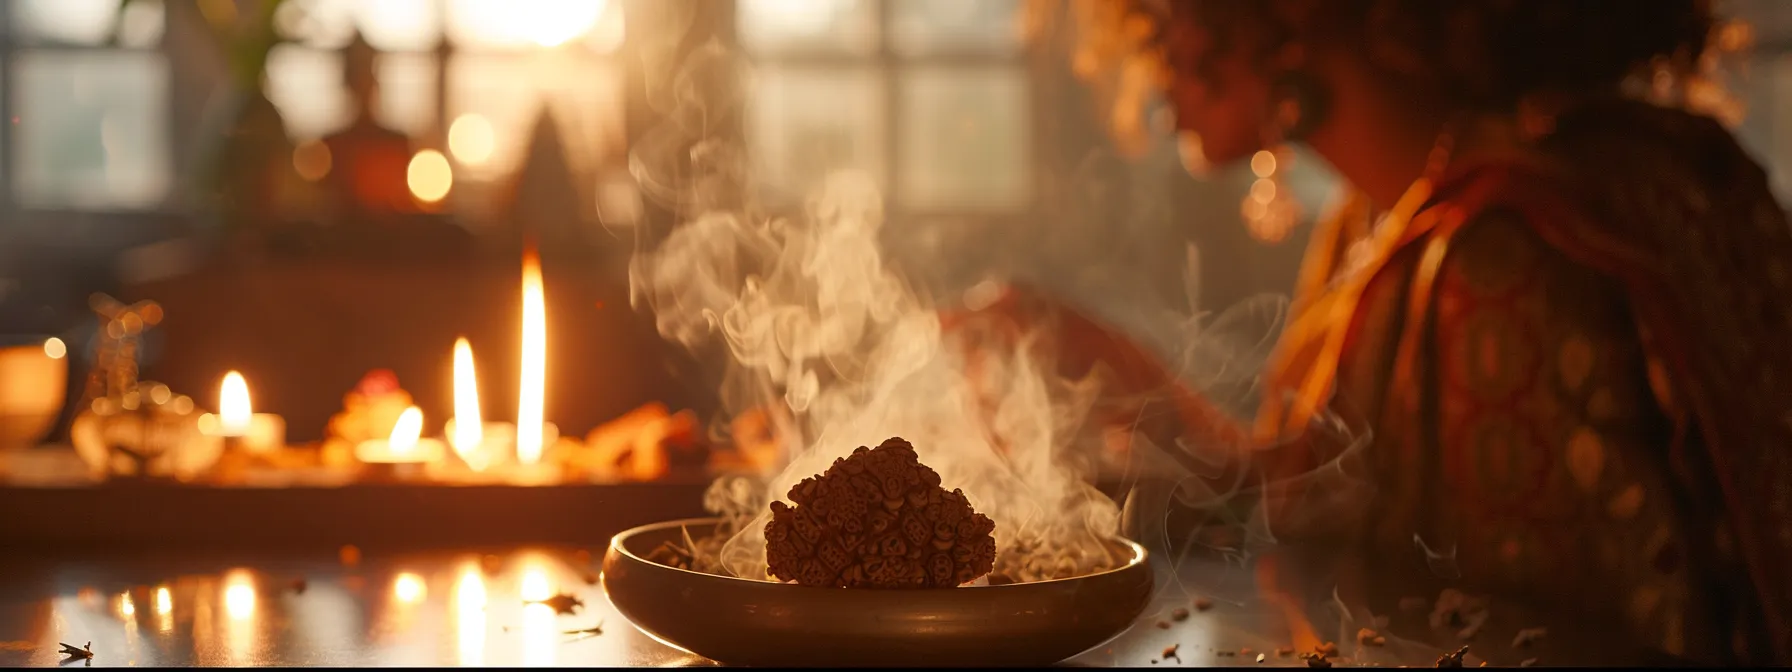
{"x": 820, "y": 322}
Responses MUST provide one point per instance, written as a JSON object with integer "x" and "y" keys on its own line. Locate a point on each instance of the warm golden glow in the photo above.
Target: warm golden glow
{"x": 535, "y": 585}
{"x": 409, "y": 588}
{"x": 429, "y": 176}
{"x": 469, "y": 425}
{"x": 239, "y": 596}
{"x": 55, "y": 348}
{"x": 234, "y": 411}
{"x": 469, "y": 615}
{"x": 531, "y": 397}
{"x": 406, "y": 431}
{"x": 471, "y": 139}
{"x": 551, "y": 23}
{"x": 1263, "y": 163}
{"x": 312, "y": 160}
{"x": 126, "y": 607}
{"x": 540, "y": 629}
{"x": 164, "y": 601}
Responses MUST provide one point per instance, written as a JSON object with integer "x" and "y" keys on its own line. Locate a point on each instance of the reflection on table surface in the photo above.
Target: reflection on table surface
{"x": 475, "y": 608}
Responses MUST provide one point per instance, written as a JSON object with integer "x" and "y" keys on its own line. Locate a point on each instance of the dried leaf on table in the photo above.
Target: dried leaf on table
{"x": 83, "y": 652}
{"x": 1179, "y": 614}
{"x": 1452, "y": 659}
{"x": 592, "y": 631}
{"x": 1171, "y": 652}
{"x": 562, "y": 603}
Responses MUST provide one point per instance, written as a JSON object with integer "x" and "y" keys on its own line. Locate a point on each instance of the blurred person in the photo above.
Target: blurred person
{"x": 1557, "y": 300}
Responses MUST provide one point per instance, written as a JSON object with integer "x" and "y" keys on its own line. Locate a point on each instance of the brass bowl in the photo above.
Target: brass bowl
{"x": 740, "y": 622}
{"x": 33, "y": 389}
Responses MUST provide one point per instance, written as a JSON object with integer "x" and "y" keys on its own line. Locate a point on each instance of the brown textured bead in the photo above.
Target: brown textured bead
{"x": 878, "y": 519}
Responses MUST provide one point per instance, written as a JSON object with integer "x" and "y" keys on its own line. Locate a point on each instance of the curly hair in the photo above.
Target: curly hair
{"x": 1487, "y": 55}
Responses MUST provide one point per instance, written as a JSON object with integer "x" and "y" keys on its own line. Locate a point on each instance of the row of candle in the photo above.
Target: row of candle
{"x": 478, "y": 444}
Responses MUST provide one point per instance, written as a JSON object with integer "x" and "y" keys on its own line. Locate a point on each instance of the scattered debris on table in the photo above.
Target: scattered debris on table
{"x": 1163, "y": 625}
{"x": 1179, "y": 614}
{"x": 1528, "y": 662}
{"x": 1452, "y": 659}
{"x": 1284, "y": 651}
{"x": 85, "y": 652}
{"x": 349, "y": 555}
{"x": 1225, "y": 654}
{"x": 1260, "y": 658}
{"x": 1318, "y": 660}
{"x": 1171, "y": 651}
{"x": 1369, "y": 637}
{"x": 1328, "y": 649}
{"x": 1245, "y": 651}
{"x": 297, "y": 586}
{"x": 1527, "y": 636}
{"x": 1203, "y": 604}
{"x": 562, "y": 603}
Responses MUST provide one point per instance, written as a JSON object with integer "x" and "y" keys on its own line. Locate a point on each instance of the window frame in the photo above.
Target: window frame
{"x": 889, "y": 64}
{"x": 13, "y": 214}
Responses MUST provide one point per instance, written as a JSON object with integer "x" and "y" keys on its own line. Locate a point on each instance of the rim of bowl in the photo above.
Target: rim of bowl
{"x": 1139, "y": 556}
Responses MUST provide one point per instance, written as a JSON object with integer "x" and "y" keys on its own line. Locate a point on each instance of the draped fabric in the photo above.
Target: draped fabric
{"x": 1578, "y": 365}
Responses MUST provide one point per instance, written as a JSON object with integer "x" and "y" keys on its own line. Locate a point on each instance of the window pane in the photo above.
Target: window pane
{"x": 519, "y": 24}
{"x": 407, "y": 93}
{"x": 92, "y": 129}
{"x": 934, "y": 26}
{"x": 497, "y": 89}
{"x": 306, "y": 84}
{"x": 965, "y": 133}
{"x": 501, "y": 97}
{"x": 784, "y": 26}
{"x": 388, "y": 25}
{"x": 71, "y": 21}
{"x": 803, "y": 124}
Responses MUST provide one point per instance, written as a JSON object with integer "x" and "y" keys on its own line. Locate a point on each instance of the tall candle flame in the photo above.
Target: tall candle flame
{"x": 533, "y": 390}
{"x": 406, "y": 431}
{"x": 234, "y": 411}
{"x": 469, "y": 427}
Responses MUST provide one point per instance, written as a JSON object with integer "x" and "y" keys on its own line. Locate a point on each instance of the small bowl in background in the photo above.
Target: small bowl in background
{"x": 34, "y": 374}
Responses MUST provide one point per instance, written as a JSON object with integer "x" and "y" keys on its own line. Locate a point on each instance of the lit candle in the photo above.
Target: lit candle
{"x": 532, "y": 392}
{"x": 404, "y": 453}
{"x": 237, "y": 421}
{"x": 533, "y": 431}
{"x": 479, "y": 444}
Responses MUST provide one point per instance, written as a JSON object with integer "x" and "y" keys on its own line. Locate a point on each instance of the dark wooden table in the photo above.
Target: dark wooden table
{"x": 466, "y": 607}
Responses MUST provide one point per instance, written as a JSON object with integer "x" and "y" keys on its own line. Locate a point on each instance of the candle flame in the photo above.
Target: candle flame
{"x": 233, "y": 403}
{"x": 533, "y": 390}
{"x": 469, "y": 427}
{"x": 406, "y": 431}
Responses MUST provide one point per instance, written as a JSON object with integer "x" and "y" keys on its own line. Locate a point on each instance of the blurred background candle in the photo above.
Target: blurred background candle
{"x": 236, "y": 419}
